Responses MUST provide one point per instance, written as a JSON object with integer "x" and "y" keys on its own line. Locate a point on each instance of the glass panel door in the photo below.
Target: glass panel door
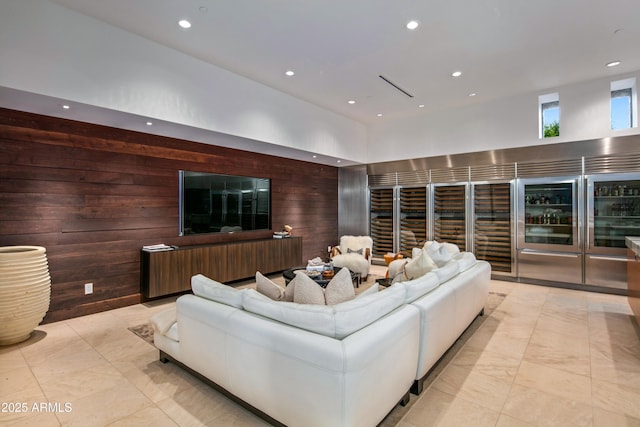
{"x": 381, "y": 220}
{"x": 616, "y": 212}
{"x": 450, "y": 214}
{"x": 549, "y": 213}
{"x": 492, "y": 231}
{"x": 413, "y": 219}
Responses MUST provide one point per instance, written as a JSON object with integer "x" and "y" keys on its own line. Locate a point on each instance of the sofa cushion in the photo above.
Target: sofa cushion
{"x": 205, "y": 287}
{"x": 339, "y": 288}
{"x": 336, "y": 321}
{"x": 465, "y": 260}
{"x": 447, "y": 271}
{"x": 370, "y": 290}
{"x": 268, "y": 288}
{"x": 307, "y": 291}
{"x": 421, "y": 286}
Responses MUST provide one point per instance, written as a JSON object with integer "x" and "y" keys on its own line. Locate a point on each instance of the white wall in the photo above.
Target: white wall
{"x": 50, "y": 50}
{"x": 505, "y": 123}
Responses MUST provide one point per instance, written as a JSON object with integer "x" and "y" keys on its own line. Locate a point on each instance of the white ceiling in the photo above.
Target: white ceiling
{"x": 339, "y": 48}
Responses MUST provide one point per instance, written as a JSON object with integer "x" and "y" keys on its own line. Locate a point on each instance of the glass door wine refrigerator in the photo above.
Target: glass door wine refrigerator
{"x": 450, "y": 213}
{"x": 549, "y": 244}
{"x": 613, "y": 212}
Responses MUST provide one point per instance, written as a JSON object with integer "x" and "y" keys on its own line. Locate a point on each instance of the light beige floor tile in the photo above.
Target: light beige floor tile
{"x": 476, "y": 387}
{"x": 616, "y": 363}
{"x": 81, "y": 383}
{"x": 33, "y": 419}
{"x": 11, "y": 359}
{"x": 616, "y": 398}
{"x": 19, "y": 391}
{"x": 558, "y": 349}
{"x": 603, "y": 418}
{"x": 438, "y": 409}
{"x": 58, "y": 366}
{"x": 508, "y": 421}
{"x": 58, "y": 341}
{"x": 543, "y": 409}
{"x": 105, "y": 406}
{"x": 488, "y": 363}
{"x": 151, "y": 416}
{"x": 555, "y": 382}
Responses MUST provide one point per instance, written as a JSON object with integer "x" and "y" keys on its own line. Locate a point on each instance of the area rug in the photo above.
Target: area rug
{"x": 144, "y": 331}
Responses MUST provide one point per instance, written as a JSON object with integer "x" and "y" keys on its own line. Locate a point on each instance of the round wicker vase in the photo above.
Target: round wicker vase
{"x": 25, "y": 291}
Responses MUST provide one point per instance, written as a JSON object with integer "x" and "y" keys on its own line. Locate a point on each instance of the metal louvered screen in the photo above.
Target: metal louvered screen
{"x": 388, "y": 179}
{"x": 450, "y": 175}
{"x": 612, "y": 164}
{"x": 417, "y": 177}
{"x": 493, "y": 172}
{"x": 550, "y": 168}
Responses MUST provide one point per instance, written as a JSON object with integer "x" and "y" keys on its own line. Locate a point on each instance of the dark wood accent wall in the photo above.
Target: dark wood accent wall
{"x": 94, "y": 195}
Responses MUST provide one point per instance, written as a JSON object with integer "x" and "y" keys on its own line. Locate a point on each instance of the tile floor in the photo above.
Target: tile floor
{"x": 544, "y": 357}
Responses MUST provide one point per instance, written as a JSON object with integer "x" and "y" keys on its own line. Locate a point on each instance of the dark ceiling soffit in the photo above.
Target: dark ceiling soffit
{"x": 539, "y": 153}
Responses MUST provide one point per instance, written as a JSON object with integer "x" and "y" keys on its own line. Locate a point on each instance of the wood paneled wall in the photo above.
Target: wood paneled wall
{"x": 94, "y": 195}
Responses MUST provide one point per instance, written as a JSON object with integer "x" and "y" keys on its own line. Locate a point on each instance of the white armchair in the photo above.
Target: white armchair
{"x": 354, "y": 253}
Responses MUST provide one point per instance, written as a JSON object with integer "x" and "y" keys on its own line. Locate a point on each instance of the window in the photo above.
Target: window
{"x": 549, "y": 115}
{"x": 623, "y": 111}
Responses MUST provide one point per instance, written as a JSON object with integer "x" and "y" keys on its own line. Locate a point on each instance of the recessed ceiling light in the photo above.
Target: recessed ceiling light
{"x": 421, "y": 106}
{"x": 472, "y": 94}
{"x": 379, "y": 114}
{"x": 613, "y": 63}
{"x": 149, "y": 123}
{"x": 351, "y": 101}
{"x": 289, "y": 73}
{"x": 66, "y": 107}
{"x": 456, "y": 73}
{"x": 314, "y": 156}
{"x": 338, "y": 161}
{"x": 184, "y": 23}
{"x": 412, "y": 25}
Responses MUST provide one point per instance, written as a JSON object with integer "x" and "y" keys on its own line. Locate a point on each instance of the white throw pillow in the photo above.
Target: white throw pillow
{"x": 451, "y": 248}
{"x": 447, "y": 271}
{"x": 289, "y": 291}
{"x": 307, "y": 291}
{"x": 336, "y": 321}
{"x": 340, "y": 288}
{"x": 466, "y": 260}
{"x": 205, "y": 287}
{"x": 438, "y": 253}
{"x": 419, "y": 266}
{"x": 266, "y": 287}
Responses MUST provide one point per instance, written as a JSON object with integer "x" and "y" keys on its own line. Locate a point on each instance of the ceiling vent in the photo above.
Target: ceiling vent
{"x": 395, "y": 86}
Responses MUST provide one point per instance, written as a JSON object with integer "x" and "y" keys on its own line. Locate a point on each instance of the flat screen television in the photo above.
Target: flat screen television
{"x": 216, "y": 203}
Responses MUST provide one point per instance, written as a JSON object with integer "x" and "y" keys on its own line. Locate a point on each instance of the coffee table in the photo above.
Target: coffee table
{"x": 290, "y": 273}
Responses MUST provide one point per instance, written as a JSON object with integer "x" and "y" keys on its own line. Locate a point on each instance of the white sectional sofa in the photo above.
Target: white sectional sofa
{"x": 306, "y": 365}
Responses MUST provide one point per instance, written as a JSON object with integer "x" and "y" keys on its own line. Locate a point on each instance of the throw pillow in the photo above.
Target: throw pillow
{"x": 307, "y": 291}
{"x": 340, "y": 288}
{"x": 438, "y": 253}
{"x": 419, "y": 266}
{"x": 207, "y": 288}
{"x": 289, "y": 291}
{"x": 266, "y": 287}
